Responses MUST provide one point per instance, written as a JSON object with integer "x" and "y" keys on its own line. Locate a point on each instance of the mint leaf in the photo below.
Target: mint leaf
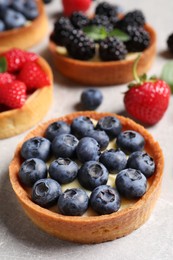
{"x": 167, "y": 74}
{"x": 120, "y": 35}
{"x": 95, "y": 32}
{"x": 3, "y": 65}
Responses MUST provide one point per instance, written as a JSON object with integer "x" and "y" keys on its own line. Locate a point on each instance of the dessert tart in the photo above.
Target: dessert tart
{"x": 100, "y": 50}
{"x": 14, "y": 121}
{"x": 26, "y": 36}
{"x": 91, "y": 228}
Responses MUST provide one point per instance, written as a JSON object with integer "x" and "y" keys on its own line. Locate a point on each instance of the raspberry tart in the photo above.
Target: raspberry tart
{"x": 101, "y": 50}
{"x": 61, "y": 213}
{"x": 19, "y": 20}
{"x": 25, "y": 91}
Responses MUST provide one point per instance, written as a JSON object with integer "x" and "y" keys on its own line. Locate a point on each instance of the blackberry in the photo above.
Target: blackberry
{"x": 62, "y": 29}
{"x": 102, "y": 20}
{"x": 112, "y": 49}
{"x": 80, "y": 46}
{"x": 135, "y": 18}
{"x": 170, "y": 42}
{"x": 106, "y": 9}
{"x": 139, "y": 39}
{"x": 79, "y": 20}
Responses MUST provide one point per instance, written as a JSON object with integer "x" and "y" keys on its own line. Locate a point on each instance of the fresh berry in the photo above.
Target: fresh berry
{"x": 111, "y": 125}
{"x": 107, "y": 9}
{"x": 79, "y": 20}
{"x": 91, "y": 99}
{"x": 112, "y": 49}
{"x": 6, "y": 78}
{"x": 14, "y": 59}
{"x": 13, "y": 94}
{"x": 71, "y": 6}
{"x": 33, "y": 76}
{"x": 31, "y": 171}
{"x": 113, "y": 160}
{"x": 14, "y": 19}
{"x": 130, "y": 141}
{"x": 88, "y": 149}
{"x": 47, "y": 1}
{"x": 36, "y": 147}
{"x": 134, "y": 18}
{"x": 139, "y": 39}
{"x": 147, "y": 99}
{"x": 105, "y": 200}
{"x": 100, "y": 136}
{"x": 131, "y": 183}
{"x": 80, "y": 46}
{"x": 142, "y": 161}
{"x": 57, "y": 128}
{"x": 63, "y": 170}
{"x": 64, "y": 146}
{"x": 102, "y": 21}
{"x": 46, "y": 192}
{"x": 2, "y": 26}
{"x": 28, "y": 8}
{"x": 81, "y": 125}
{"x": 73, "y": 202}
{"x": 170, "y": 42}
{"x": 92, "y": 174}
{"x": 62, "y": 30}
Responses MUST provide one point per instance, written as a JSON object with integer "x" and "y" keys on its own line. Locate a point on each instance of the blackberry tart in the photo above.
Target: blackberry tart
{"x": 104, "y": 46}
{"x": 92, "y": 222}
{"x": 19, "y": 20}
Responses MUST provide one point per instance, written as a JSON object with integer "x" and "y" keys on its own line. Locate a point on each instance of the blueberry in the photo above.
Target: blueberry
{"x": 63, "y": 170}
{"x": 64, "y": 146}
{"x": 113, "y": 160}
{"x": 91, "y": 99}
{"x": 131, "y": 183}
{"x": 57, "y": 128}
{"x": 14, "y": 19}
{"x": 130, "y": 141}
{"x": 2, "y": 26}
{"x": 111, "y": 125}
{"x": 143, "y": 162}
{"x": 28, "y": 8}
{"x": 46, "y": 192}
{"x": 100, "y": 136}
{"x": 88, "y": 150}
{"x": 73, "y": 202}
{"x": 92, "y": 174}
{"x": 36, "y": 147}
{"x": 4, "y": 4}
{"x": 31, "y": 171}
{"x": 81, "y": 125}
{"x": 105, "y": 200}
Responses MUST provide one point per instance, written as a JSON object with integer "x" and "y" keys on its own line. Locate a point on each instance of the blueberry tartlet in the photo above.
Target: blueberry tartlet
{"x": 25, "y": 91}
{"x": 23, "y": 24}
{"x": 86, "y": 189}
{"x": 101, "y": 50}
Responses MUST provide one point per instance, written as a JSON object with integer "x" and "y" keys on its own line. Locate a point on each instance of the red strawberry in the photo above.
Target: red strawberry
{"x": 147, "y": 100}
{"x": 6, "y": 78}
{"x": 14, "y": 59}
{"x": 33, "y": 76}
{"x": 13, "y": 94}
{"x": 75, "y": 5}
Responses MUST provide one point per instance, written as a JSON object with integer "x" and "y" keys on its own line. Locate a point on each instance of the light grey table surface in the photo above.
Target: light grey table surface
{"x": 21, "y": 239}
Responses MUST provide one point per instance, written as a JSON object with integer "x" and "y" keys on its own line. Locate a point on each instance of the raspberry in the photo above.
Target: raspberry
{"x": 112, "y": 49}
{"x": 80, "y": 46}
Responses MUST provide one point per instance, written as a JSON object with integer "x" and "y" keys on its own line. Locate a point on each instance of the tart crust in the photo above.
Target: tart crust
{"x": 104, "y": 73}
{"x": 92, "y": 229}
{"x": 27, "y": 36}
{"x": 16, "y": 121}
